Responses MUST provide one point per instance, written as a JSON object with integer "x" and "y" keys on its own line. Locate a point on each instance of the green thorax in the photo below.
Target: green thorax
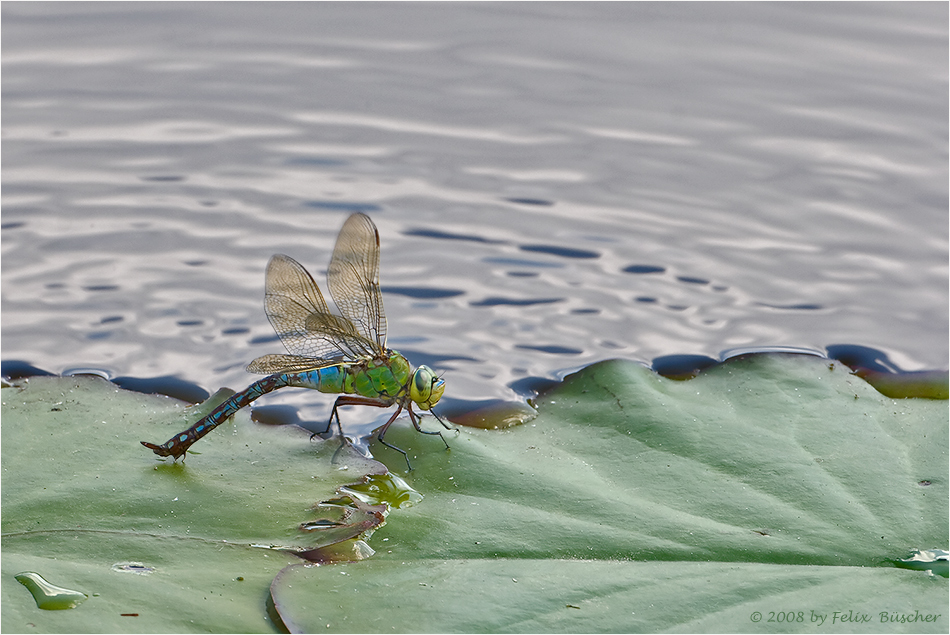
{"x": 378, "y": 378}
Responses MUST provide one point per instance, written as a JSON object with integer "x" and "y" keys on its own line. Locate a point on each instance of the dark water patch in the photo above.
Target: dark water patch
{"x": 18, "y": 369}
{"x": 518, "y": 262}
{"x": 530, "y": 387}
{"x": 423, "y": 293}
{"x": 682, "y": 366}
{"x": 278, "y": 415}
{"x": 343, "y": 206}
{"x": 855, "y": 356}
{"x": 163, "y": 178}
{"x": 563, "y": 252}
{"x": 264, "y": 339}
{"x": 99, "y": 335}
{"x": 645, "y": 299}
{"x": 540, "y": 202}
{"x": 316, "y": 161}
{"x": 167, "y": 385}
{"x": 691, "y": 280}
{"x": 111, "y": 319}
{"x": 440, "y": 235}
{"x": 235, "y": 330}
{"x": 196, "y": 263}
{"x": 791, "y": 307}
{"x": 551, "y": 350}
{"x": 101, "y": 287}
{"x": 643, "y": 269}
{"x": 499, "y": 301}
{"x": 13, "y": 225}
{"x": 189, "y": 322}
{"x": 585, "y": 311}
{"x": 521, "y": 274}
{"x": 887, "y": 377}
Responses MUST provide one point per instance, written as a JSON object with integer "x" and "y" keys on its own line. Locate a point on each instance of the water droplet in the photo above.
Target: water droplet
{"x": 132, "y": 567}
{"x": 386, "y": 489}
{"x": 50, "y": 597}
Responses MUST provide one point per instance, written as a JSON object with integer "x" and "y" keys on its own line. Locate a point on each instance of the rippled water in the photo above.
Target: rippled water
{"x": 554, "y": 184}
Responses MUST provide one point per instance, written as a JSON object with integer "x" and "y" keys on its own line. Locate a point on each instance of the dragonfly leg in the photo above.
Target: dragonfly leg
{"x": 442, "y": 421}
{"x": 415, "y": 422}
{"x": 349, "y": 400}
{"x": 333, "y": 414}
{"x": 353, "y": 400}
{"x": 382, "y": 433}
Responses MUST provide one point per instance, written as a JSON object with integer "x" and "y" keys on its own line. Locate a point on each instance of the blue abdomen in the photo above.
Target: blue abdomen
{"x": 329, "y": 379}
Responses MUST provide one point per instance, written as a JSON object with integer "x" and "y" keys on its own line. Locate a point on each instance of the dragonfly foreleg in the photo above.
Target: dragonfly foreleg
{"x": 415, "y": 422}
{"x": 442, "y": 421}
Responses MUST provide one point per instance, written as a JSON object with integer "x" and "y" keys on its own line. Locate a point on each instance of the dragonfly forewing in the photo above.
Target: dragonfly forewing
{"x": 291, "y": 300}
{"x": 270, "y": 364}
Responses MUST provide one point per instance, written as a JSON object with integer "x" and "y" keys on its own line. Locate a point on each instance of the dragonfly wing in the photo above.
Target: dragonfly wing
{"x": 353, "y": 278}
{"x": 270, "y": 364}
{"x": 299, "y": 314}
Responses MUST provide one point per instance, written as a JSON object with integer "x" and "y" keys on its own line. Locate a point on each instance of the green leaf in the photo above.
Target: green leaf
{"x": 770, "y": 484}
{"x": 182, "y": 585}
{"x": 771, "y": 487}
{"x": 596, "y": 596}
{"x": 80, "y": 495}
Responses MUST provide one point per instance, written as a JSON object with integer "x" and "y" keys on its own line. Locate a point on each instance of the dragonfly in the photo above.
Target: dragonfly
{"x": 343, "y": 353}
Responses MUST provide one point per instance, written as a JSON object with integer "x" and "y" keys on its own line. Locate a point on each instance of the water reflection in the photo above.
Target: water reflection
{"x": 654, "y": 189}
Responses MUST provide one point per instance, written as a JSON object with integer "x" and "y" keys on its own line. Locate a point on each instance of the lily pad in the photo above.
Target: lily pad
{"x": 81, "y": 495}
{"x": 767, "y": 486}
{"x": 771, "y": 493}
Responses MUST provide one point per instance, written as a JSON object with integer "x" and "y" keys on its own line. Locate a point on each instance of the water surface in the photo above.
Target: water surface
{"x": 554, "y": 184}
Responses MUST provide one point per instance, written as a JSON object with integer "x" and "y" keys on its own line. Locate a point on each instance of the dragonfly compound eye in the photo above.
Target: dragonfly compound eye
{"x": 426, "y": 388}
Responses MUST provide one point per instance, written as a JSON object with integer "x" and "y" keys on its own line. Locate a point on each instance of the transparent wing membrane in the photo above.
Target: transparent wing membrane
{"x": 270, "y": 364}
{"x": 299, "y": 314}
{"x": 353, "y": 279}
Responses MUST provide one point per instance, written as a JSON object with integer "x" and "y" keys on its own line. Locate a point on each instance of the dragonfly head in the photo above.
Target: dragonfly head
{"x": 426, "y": 388}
